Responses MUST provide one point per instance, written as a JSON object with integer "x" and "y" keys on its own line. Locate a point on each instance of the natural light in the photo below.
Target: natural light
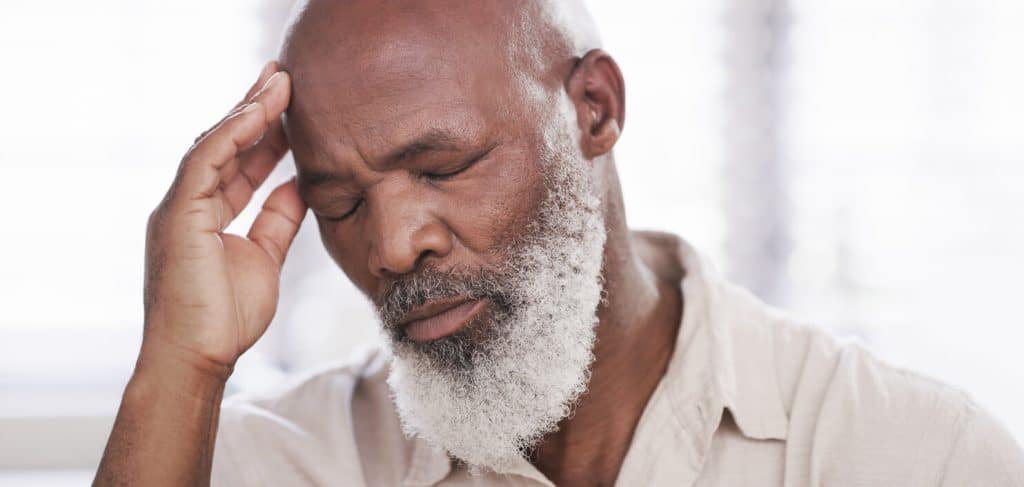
{"x": 857, "y": 163}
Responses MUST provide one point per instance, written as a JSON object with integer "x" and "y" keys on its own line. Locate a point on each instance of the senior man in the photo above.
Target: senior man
{"x": 457, "y": 157}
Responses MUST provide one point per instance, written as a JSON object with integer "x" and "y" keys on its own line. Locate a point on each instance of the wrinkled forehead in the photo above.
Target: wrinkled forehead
{"x": 364, "y": 77}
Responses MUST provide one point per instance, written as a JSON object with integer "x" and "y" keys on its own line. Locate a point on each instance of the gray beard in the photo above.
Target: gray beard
{"x": 489, "y": 393}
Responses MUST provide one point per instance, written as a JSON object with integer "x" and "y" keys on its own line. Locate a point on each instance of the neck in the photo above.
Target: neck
{"x": 639, "y": 318}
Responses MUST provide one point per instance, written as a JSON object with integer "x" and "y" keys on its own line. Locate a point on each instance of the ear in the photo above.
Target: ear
{"x": 596, "y": 88}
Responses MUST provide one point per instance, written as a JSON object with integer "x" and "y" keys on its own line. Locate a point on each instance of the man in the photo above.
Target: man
{"x": 457, "y": 157}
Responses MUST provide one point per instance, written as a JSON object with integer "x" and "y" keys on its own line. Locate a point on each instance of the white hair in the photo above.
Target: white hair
{"x": 572, "y": 18}
{"x": 531, "y": 375}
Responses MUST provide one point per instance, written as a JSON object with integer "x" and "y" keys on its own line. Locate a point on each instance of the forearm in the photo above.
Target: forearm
{"x": 208, "y": 295}
{"x": 166, "y": 427}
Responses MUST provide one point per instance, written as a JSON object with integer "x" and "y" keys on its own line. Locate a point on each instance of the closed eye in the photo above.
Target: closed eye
{"x": 436, "y": 176}
{"x": 347, "y": 214}
{"x": 447, "y": 175}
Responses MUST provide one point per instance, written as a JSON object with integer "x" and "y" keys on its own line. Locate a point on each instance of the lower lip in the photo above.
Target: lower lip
{"x": 444, "y": 324}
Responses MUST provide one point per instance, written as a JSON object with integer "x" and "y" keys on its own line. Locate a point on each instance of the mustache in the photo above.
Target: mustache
{"x": 410, "y": 291}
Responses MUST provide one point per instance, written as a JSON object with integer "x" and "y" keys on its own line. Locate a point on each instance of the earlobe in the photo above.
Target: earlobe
{"x": 596, "y": 88}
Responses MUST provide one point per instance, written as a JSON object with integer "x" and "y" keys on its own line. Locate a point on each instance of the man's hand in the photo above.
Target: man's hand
{"x": 208, "y": 294}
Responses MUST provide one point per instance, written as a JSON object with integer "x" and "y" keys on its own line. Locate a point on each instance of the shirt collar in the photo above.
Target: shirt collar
{"x": 723, "y": 359}
{"x": 428, "y": 465}
{"x": 725, "y": 355}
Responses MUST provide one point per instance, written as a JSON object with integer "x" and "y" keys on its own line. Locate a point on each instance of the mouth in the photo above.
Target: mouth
{"x": 441, "y": 318}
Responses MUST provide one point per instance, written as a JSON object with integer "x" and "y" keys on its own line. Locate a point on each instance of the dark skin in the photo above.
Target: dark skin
{"x": 418, "y": 148}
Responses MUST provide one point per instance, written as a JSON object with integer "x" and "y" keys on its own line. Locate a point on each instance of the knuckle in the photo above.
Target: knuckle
{"x": 189, "y": 155}
{"x": 200, "y": 137}
{"x": 194, "y": 155}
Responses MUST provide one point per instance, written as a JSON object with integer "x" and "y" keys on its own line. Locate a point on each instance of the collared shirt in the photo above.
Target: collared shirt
{"x": 750, "y": 398}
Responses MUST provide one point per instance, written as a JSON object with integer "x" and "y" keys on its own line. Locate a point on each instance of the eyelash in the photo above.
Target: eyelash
{"x": 348, "y": 214}
{"x": 449, "y": 175}
{"x": 431, "y": 176}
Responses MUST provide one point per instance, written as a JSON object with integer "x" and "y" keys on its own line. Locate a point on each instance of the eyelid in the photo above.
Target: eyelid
{"x": 347, "y": 214}
{"x": 477, "y": 158}
{"x": 447, "y": 175}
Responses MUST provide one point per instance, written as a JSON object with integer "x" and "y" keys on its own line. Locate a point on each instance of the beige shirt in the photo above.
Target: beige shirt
{"x": 750, "y": 398}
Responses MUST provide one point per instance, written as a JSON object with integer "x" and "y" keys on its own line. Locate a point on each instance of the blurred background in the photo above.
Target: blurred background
{"x": 856, "y": 162}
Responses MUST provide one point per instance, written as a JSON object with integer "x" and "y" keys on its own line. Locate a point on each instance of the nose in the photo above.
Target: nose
{"x": 406, "y": 233}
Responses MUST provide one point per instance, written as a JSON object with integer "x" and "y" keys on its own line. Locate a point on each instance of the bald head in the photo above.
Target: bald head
{"x": 466, "y": 94}
{"x": 525, "y": 48}
{"x": 462, "y": 139}
{"x": 527, "y": 28}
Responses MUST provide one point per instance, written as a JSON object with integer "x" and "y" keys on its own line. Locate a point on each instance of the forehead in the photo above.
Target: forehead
{"x": 364, "y": 86}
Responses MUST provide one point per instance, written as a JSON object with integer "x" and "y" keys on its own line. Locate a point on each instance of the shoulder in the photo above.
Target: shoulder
{"x": 312, "y": 427}
{"x": 984, "y": 453}
{"x": 855, "y": 416}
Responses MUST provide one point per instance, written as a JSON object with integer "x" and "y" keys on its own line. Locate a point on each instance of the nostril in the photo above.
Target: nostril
{"x": 406, "y": 240}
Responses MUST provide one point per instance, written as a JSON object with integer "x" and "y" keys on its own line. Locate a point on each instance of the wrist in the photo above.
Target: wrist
{"x": 165, "y": 367}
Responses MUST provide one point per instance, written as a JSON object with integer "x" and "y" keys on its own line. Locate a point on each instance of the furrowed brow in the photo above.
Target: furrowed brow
{"x": 436, "y": 140}
{"x": 316, "y": 178}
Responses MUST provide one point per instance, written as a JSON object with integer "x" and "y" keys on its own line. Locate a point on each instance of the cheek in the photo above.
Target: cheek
{"x": 498, "y": 209}
{"x": 485, "y": 215}
{"x": 349, "y": 255}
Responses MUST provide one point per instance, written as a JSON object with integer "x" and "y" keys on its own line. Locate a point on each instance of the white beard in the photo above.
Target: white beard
{"x": 537, "y": 362}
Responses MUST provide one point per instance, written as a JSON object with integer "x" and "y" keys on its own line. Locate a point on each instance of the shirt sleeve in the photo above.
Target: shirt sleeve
{"x": 984, "y": 453}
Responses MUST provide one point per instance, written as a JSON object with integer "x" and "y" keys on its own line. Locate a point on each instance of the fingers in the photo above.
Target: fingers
{"x": 278, "y": 222}
{"x": 268, "y": 69}
{"x": 227, "y": 153}
{"x": 220, "y": 148}
{"x": 254, "y": 165}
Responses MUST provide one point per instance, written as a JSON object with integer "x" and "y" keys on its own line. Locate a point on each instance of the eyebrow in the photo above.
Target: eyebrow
{"x": 434, "y": 140}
